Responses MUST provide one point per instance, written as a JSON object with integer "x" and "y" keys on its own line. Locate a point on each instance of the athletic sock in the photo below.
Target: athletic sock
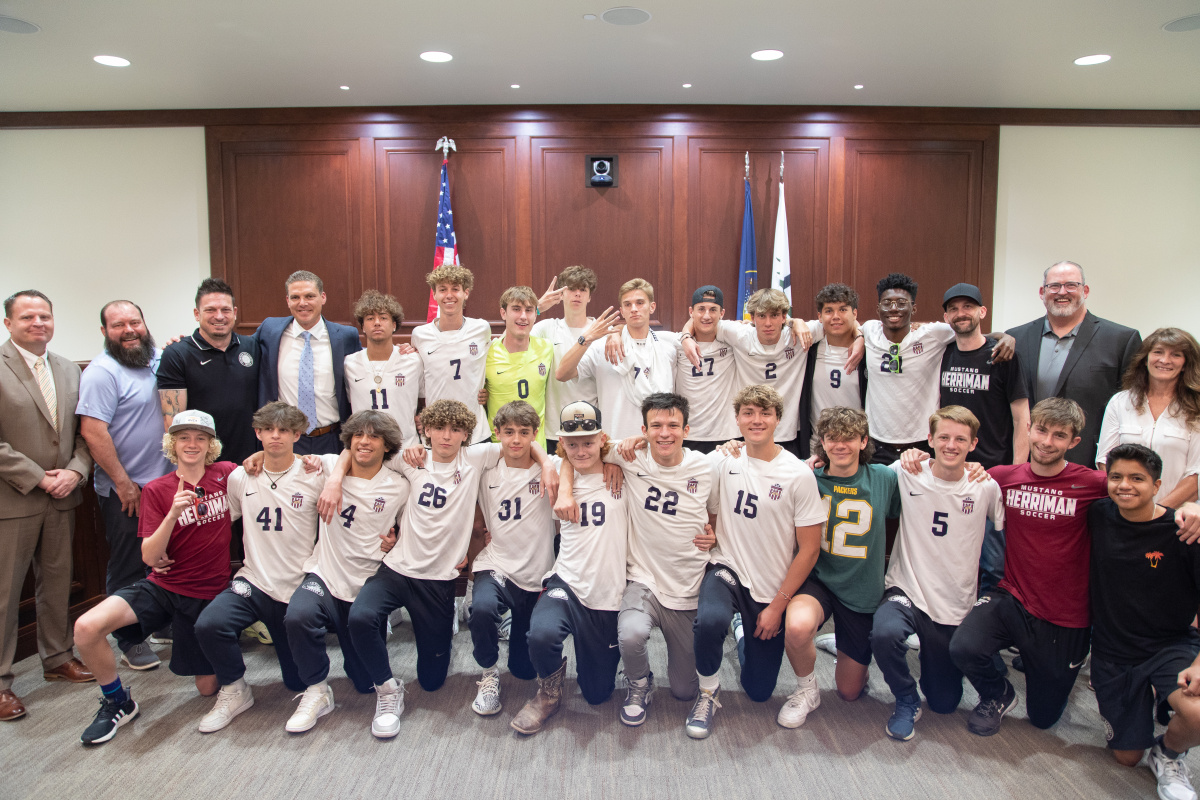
{"x": 1168, "y": 752}
{"x": 114, "y": 691}
{"x": 709, "y": 683}
{"x": 239, "y": 684}
{"x": 805, "y": 681}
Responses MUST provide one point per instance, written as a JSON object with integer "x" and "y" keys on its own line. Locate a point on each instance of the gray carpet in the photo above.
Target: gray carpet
{"x": 445, "y": 750}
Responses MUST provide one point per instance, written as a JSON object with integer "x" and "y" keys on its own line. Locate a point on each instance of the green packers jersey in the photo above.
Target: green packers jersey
{"x": 851, "y": 562}
{"x": 519, "y": 376}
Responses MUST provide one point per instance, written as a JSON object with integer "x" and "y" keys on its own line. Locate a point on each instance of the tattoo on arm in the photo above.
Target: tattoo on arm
{"x": 173, "y": 401}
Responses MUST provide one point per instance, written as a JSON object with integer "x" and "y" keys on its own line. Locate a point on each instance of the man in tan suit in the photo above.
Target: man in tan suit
{"x": 43, "y": 462}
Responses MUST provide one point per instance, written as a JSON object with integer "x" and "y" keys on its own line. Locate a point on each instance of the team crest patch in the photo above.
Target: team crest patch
{"x": 240, "y": 588}
{"x": 314, "y": 587}
{"x": 646, "y": 371}
{"x": 788, "y": 352}
{"x": 724, "y": 352}
{"x": 558, "y": 593}
{"x": 379, "y": 504}
{"x": 968, "y": 505}
{"x": 693, "y": 485}
{"x": 1154, "y": 557}
{"x": 457, "y": 477}
{"x": 297, "y": 500}
{"x": 1108, "y": 730}
{"x": 246, "y": 360}
{"x": 474, "y": 348}
{"x": 535, "y": 486}
{"x": 542, "y": 370}
{"x": 776, "y": 492}
{"x": 399, "y": 380}
{"x": 727, "y": 576}
{"x": 901, "y": 599}
{"x": 918, "y": 348}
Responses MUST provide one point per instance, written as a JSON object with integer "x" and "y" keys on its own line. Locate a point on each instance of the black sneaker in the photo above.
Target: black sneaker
{"x": 985, "y": 719}
{"x": 111, "y": 716}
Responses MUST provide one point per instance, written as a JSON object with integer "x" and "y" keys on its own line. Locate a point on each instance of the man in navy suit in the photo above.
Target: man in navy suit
{"x": 1072, "y": 353}
{"x": 302, "y": 357}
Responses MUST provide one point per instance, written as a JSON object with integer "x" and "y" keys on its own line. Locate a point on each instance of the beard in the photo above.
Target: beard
{"x": 132, "y": 357}
{"x": 1055, "y": 310}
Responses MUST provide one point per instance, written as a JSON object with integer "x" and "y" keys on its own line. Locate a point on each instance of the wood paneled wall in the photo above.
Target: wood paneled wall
{"x": 356, "y": 203}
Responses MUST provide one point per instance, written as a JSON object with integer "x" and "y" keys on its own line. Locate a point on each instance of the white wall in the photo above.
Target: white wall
{"x": 1122, "y": 202}
{"x": 89, "y": 216}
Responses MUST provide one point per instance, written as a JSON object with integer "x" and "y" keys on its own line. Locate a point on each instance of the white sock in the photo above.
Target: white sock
{"x": 709, "y": 683}
{"x": 388, "y": 687}
{"x": 321, "y": 687}
{"x": 806, "y": 681}
{"x": 239, "y": 685}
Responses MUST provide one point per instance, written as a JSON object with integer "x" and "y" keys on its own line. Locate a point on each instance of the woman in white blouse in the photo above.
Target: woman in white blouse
{"x": 1160, "y": 408}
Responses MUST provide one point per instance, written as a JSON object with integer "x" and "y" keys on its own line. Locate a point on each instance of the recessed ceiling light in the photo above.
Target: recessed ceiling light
{"x": 1182, "y": 24}
{"x": 625, "y": 15}
{"x": 112, "y": 61}
{"x": 590, "y": 17}
{"x": 14, "y": 25}
{"x": 344, "y": 88}
{"x": 687, "y": 86}
{"x": 1087, "y": 61}
{"x": 767, "y": 55}
{"x": 436, "y": 56}
{"x": 858, "y": 86}
{"x": 514, "y": 86}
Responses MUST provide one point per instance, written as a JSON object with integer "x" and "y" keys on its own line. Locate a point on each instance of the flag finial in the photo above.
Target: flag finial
{"x": 747, "y": 165}
{"x": 445, "y": 144}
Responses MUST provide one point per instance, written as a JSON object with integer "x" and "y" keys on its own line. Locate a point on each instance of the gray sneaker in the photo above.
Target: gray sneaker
{"x": 699, "y": 722}
{"x": 637, "y": 700}
{"x": 1171, "y": 774}
{"x": 141, "y": 656}
{"x": 987, "y": 716}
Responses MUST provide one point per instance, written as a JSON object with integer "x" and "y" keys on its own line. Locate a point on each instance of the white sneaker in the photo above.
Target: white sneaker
{"x": 487, "y": 699}
{"x": 231, "y": 701}
{"x": 1172, "y": 775}
{"x": 389, "y": 705}
{"x": 826, "y": 642}
{"x": 315, "y": 702}
{"x": 798, "y": 706}
{"x": 913, "y": 641}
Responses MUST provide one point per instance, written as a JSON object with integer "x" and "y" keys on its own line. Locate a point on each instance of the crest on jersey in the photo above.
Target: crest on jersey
{"x": 558, "y": 593}
{"x": 542, "y": 370}
{"x": 240, "y": 588}
{"x": 399, "y": 380}
{"x": 724, "y": 352}
{"x": 616, "y": 494}
{"x": 474, "y": 348}
{"x": 297, "y": 500}
{"x": 788, "y": 352}
{"x": 245, "y": 359}
{"x": 776, "y": 492}
{"x": 646, "y": 371}
{"x": 535, "y": 486}
{"x": 379, "y": 504}
{"x": 918, "y": 348}
{"x": 968, "y": 505}
{"x": 693, "y": 485}
{"x": 457, "y": 477}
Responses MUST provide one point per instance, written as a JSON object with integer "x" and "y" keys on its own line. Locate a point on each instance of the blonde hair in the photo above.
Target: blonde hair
{"x": 168, "y": 444}
{"x": 636, "y": 285}
{"x": 605, "y": 448}
{"x": 451, "y": 275}
{"x": 759, "y": 395}
{"x": 957, "y": 414}
{"x": 518, "y": 294}
{"x": 768, "y": 301}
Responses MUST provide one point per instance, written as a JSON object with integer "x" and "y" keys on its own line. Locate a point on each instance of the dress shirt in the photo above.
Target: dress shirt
{"x": 291, "y": 345}
{"x": 1053, "y": 356}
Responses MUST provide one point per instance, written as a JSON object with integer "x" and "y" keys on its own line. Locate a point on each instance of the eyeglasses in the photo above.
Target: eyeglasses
{"x": 586, "y": 425}
{"x": 892, "y": 360}
{"x": 1070, "y": 287}
{"x": 894, "y": 304}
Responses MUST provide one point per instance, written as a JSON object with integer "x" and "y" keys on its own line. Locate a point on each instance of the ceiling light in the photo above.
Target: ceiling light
{"x": 112, "y": 61}
{"x": 590, "y": 17}
{"x": 1087, "y": 61}
{"x": 687, "y": 86}
{"x": 1182, "y": 24}
{"x": 436, "y": 56}
{"x": 514, "y": 86}
{"x": 625, "y": 15}
{"x": 767, "y": 55}
{"x": 858, "y": 86}
{"x": 344, "y": 88}
{"x": 14, "y": 25}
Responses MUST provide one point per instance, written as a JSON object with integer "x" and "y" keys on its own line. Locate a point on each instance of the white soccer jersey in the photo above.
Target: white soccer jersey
{"x": 648, "y": 367}
{"x": 780, "y": 366}
{"x": 391, "y": 386}
{"x": 901, "y": 394}
{"x": 521, "y": 524}
{"x": 761, "y": 503}
{"x": 592, "y": 553}
{"x": 562, "y": 393}
{"x": 710, "y": 389}
{"x": 454, "y": 364}
{"x": 832, "y": 384}
{"x": 348, "y": 549}
{"x": 668, "y": 508}
{"x": 436, "y": 528}
{"x": 936, "y": 556}
{"x": 279, "y": 526}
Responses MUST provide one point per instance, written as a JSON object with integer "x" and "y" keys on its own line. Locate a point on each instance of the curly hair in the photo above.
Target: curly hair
{"x": 836, "y": 293}
{"x": 1187, "y": 387}
{"x": 374, "y": 423}
{"x": 450, "y": 275}
{"x": 768, "y": 301}
{"x": 373, "y": 301}
{"x": 897, "y": 280}
{"x": 168, "y": 445}
{"x": 281, "y": 416}
{"x": 447, "y": 414}
{"x": 759, "y": 395}
{"x": 577, "y": 277}
{"x": 841, "y": 424}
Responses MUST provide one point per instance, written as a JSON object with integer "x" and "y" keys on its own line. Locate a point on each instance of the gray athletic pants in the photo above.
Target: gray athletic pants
{"x": 641, "y": 611}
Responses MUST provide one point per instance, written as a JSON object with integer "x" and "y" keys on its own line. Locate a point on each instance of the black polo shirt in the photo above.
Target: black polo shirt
{"x": 224, "y": 384}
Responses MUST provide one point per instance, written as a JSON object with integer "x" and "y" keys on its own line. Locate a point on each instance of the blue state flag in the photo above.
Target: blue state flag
{"x": 748, "y": 267}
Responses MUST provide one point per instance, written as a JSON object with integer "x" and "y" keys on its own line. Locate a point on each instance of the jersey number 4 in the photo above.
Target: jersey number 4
{"x": 264, "y": 517}
{"x": 854, "y": 519}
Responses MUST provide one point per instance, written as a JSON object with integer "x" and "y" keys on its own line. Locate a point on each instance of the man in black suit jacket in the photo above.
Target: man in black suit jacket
{"x": 285, "y": 343}
{"x": 1072, "y": 353}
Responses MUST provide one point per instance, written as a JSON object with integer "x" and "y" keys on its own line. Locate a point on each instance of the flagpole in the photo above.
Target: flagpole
{"x": 445, "y": 144}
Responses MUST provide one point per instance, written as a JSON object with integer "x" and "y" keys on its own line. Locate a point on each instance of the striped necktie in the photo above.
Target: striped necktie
{"x": 46, "y": 384}
{"x": 307, "y": 395}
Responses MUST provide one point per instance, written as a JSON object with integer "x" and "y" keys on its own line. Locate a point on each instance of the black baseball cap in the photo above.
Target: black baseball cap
{"x": 708, "y": 294}
{"x": 967, "y": 290}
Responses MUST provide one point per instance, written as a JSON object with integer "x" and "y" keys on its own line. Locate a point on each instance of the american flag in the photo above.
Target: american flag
{"x": 445, "y": 248}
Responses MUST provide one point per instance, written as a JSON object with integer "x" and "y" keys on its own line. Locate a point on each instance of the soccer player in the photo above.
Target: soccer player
{"x": 518, "y": 364}
{"x": 384, "y": 377}
{"x": 768, "y": 537}
{"x": 930, "y": 581}
{"x": 573, "y": 287}
{"x": 279, "y": 505}
{"x": 520, "y": 551}
{"x": 1145, "y": 588}
{"x": 847, "y": 581}
{"x": 349, "y": 548}
{"x": 711, "y": 385}
{"x": 453, "y": 348}
{"x": 184, "y": 525}
{"x": 582, "y": 592}
{"x": 827, "y": 382}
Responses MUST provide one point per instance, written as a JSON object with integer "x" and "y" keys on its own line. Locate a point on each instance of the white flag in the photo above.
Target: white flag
{"x": 781, "y": 264}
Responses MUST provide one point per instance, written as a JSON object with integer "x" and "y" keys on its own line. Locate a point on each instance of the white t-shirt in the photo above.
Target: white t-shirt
{"x": 1177, "y": 444}
{"x": 391, "y": 386}
{"x": 668, "y": 507}
{"x": 780, "y": 366}
{"x": 348, "y": 549}
{"x": 936, "y": 556}
{"x": 436, "y": 528}
{"x": 591, "y": 554}
{"x": 279, "y": 526}
{"x": 710, "y": 389}
{"x": 561, "y": 393}
{"x": 521, "y": 524}
{"x": 761, "y": 503}
{"x": 899, "y": 403}
{"x": 455, "y": 363}
{"x": 642, "y": 373}
{"x": 832, "y": 384}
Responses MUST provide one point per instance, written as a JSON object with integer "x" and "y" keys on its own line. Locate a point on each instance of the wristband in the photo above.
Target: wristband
{"x": 784, "y": 596}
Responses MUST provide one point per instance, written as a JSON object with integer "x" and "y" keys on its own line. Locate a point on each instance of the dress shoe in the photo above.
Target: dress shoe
{"x": 73, "y": 671}
{"x": 10, "y": 706}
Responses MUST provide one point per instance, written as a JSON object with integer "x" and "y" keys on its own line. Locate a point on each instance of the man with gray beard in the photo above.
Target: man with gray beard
{"x": 121, "y": 421}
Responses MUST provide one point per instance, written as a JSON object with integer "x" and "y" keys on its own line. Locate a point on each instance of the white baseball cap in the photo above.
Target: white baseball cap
{"x": 195, "y": 419}
{"x": 578, "y": 419}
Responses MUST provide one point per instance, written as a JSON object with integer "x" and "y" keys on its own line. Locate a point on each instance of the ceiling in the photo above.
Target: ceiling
{"x": 294, "y": 53}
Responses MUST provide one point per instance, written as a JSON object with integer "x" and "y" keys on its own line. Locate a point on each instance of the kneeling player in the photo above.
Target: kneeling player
{"x": 1145, "y": 588}
{"x": 185, "y": 526}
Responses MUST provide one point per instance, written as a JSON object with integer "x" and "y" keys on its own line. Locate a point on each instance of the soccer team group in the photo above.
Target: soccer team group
{"x": 601, "y": 479}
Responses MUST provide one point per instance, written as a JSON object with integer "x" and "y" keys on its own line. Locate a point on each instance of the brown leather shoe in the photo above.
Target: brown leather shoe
{"x": 10, "y": 706}
{"x": 73, "y": 671}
